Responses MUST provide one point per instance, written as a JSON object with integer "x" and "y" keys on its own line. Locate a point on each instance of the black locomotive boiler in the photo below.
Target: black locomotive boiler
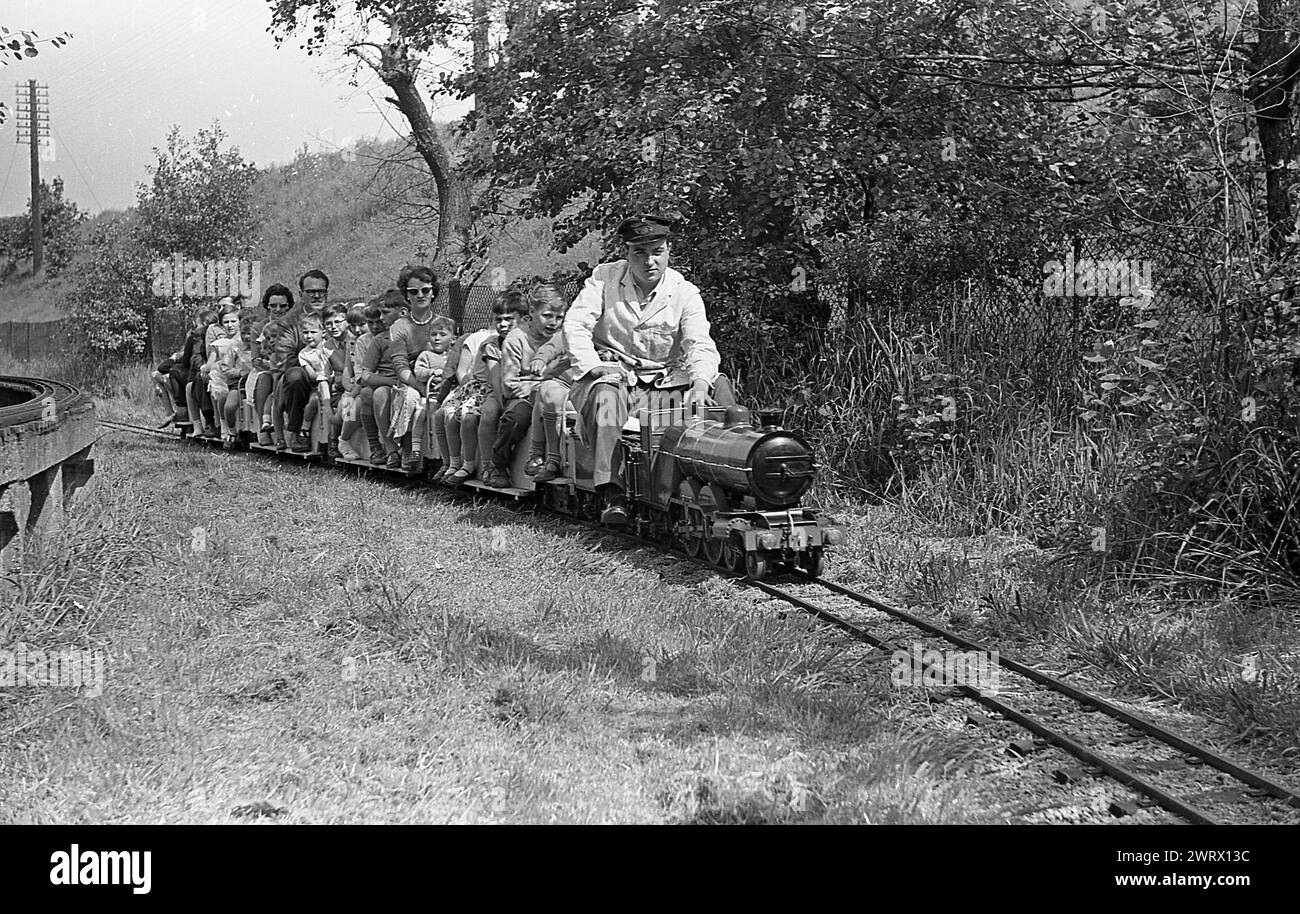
{"x": 720, "y": 485}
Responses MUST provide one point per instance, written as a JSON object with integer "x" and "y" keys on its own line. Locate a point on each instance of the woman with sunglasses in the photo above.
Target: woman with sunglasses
{"x": 408, "y": 337}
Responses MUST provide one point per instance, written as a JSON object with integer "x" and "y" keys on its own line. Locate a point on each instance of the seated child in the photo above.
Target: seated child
{"x": 228, "y": 362}
{"x": 347, "y": 420}
{"x": 268, "y": 365}
{"x": 509, "y": 311}
{"x": 550, "y": 362}
{"x": 338, "y": 342}
{"x": 177, "y": 370}
{"x": 546, "y": 312}
{"x": 429, "y": 369}
{"x": 458, "y": 402}
{"x": 314, "y": 357}
{"x": 468, "y": 390}
{"x": 378, "y": 378}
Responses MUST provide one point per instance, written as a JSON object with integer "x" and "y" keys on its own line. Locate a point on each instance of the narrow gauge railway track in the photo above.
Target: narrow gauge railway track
{"x": 1148, "y": 758}
{"x": 29, "y": 399}
{"x": 1180, "y": 788}
{"x": 160, "y": 432}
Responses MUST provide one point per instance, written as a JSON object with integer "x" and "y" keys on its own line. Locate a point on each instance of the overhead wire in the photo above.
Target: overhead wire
{"x": 105, "y": 91}
{"x": 139, "y": 41}
{"x": 103, "y": 96}
{"x": 13, "y": 157}
{"x": 73, "y": 159}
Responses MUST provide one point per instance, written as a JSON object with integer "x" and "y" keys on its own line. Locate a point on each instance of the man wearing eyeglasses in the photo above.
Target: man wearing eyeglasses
{"x": 296, "y": 385}
{"x": 407, "y": 338}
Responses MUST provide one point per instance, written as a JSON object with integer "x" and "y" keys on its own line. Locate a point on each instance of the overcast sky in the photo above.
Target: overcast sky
{"x": 135, "y": 67}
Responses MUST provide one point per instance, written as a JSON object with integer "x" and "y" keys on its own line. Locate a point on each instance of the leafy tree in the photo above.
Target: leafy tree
{"x": 110, "y": 304}
{"x": 774, "y": 149}
{"x": 413, "y": 30}
{"x": 60, "y": 229}
{"x": 872, "y": 153}
{"x": 199, "y": 202}
{"x": 20, "y": 45}
{"x": 782, "y": 130}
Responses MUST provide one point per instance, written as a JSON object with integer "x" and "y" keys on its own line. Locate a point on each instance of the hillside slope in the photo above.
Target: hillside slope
{"x": 348, "y": 214}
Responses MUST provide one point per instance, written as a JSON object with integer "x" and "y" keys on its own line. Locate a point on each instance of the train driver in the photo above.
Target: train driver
{"x": 639, "y": 338}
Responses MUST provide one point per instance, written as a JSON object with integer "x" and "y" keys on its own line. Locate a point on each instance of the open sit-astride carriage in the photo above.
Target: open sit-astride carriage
{"x": 722, "y": 484}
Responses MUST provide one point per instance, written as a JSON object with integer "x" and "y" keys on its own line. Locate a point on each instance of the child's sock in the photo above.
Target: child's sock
{"x": 536, "y": 438}
{"x": 551, "y": 424}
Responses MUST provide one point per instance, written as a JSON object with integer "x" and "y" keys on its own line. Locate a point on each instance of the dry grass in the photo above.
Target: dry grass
{"x": 1236, "y": 661}
{"x": 346, "y": 651}
{"x": 990, "y": 518}
{"x": 400, "y": 659}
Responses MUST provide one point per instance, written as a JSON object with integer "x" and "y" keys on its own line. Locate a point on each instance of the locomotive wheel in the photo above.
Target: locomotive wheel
{"x": 813, "y": 562}
{"x": 692, "y": 542}
{"x": 733, "y": 555}
{"x": 714, "y": 549}
{"x": 755, "y": 566}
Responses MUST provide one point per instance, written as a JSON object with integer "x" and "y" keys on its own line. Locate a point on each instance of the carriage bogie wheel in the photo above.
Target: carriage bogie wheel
{"x": 755, "y": 566}
{"x": 813, "y": 562}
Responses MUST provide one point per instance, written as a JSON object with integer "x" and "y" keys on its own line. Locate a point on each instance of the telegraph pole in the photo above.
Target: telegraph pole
{"x": 33, "y": 114}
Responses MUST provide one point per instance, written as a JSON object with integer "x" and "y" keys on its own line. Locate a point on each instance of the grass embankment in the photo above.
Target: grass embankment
{"x": 1233, "y": 662}
{"x": 21, "y": 299}
{"x": 344, "y": 212}
{"x": 346, "y": 651}
{"x": 554, "y": 675}
{"x": 996, "y": 525}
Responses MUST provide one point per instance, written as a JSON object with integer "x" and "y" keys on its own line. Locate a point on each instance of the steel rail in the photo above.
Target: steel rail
{"x": 1077, "y": 749}
{"x": 1118, "y": 772}
{"x": 1149, "y": 727}
{"x": 33, "y": 396}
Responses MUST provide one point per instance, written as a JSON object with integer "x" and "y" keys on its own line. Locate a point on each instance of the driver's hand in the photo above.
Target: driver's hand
{"x": 697, "y": 399}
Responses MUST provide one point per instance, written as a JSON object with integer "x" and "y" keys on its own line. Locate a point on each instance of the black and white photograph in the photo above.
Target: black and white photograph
{"x": 652, "y": 412}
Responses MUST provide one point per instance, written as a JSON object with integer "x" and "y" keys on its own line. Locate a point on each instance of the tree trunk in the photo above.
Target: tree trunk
{"x": 479, "y": 35}
{"x": 520, "y": 16}
{"x": 398, "y": 72}
{"x": 1275, "y": 62}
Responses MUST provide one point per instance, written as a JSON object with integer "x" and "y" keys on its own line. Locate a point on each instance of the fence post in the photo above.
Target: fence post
{"x": 456, "y": 304}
